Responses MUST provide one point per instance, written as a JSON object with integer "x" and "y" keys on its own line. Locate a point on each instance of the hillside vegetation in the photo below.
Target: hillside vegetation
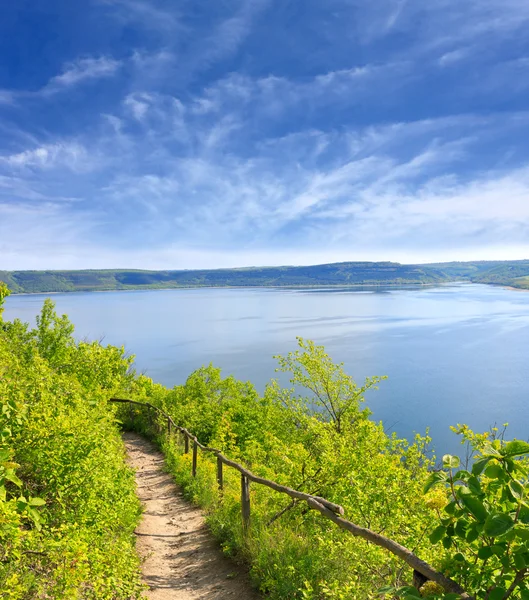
{"x": 68, "y": 509}
{"x": 337, "y": 274}
{"x": 469, "y": 521}
{"x": 67, "y": 502}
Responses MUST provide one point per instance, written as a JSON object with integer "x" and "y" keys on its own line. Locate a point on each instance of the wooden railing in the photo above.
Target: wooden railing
{"x": 422, "y": 571}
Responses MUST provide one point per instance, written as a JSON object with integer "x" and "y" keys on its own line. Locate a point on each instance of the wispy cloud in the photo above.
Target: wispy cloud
{"x": 73, "y": 74}
{"x": 256, "y": 133}
{"x": 80, "y": 70}
{"x": 145, "y": 13}
{"x": 69, "y": 155}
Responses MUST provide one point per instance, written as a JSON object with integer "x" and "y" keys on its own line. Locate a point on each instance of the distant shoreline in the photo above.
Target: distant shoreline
{"x": 244, "y": 287}
{"x": 276, "y": 287}
{"x": 352, "y": 275}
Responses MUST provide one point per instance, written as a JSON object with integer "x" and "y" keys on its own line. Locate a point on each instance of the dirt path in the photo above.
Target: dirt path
{"x": 181, "y": 558}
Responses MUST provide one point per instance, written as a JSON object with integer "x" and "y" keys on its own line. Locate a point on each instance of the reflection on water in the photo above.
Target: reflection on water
{"x": 453, "y": 354}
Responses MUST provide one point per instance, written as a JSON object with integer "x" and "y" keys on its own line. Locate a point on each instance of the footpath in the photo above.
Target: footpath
{"x": 181, "y": 560}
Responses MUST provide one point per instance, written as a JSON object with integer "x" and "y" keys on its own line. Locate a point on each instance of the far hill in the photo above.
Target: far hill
{"x": 512, "y": 273}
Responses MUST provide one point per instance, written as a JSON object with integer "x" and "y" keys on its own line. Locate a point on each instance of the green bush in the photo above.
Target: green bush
{"x": 67, "y": 499}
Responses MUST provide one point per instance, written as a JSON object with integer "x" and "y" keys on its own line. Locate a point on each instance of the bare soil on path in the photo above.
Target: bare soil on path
{"x": 181, "y": 560}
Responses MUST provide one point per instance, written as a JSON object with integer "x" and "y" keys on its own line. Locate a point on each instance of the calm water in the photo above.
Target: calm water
{"x": 453, "y": 354}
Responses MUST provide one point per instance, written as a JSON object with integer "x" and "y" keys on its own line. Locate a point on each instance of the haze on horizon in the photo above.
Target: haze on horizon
{"x": 161, "y": 135}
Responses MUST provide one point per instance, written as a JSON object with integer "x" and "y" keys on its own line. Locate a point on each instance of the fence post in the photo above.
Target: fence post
{"x": 168, "y": 427}
{"x": 186, "y": 443}
{"x": 195, "y": 453}
{"x": 245, "y": 501}
{"x": 220, "y": 479}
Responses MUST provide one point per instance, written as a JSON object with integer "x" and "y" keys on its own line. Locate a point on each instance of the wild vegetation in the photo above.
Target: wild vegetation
{"x": 67, "y": 505}
{"x": 470, "y": 523}
{"x": 339, "y": 274}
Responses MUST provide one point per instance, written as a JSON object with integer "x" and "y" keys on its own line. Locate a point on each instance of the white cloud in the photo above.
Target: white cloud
{"x": 144, "y": 13}
{"x": 453, "y": 57}
{"x": 81, "y": 70}
{"x": 70, "y": 155}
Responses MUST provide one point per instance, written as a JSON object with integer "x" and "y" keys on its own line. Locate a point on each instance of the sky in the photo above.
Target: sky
{"x": 173, "y": 134}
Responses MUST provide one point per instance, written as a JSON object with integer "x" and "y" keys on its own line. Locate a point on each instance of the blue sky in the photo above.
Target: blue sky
{"x": 215, "y": 133}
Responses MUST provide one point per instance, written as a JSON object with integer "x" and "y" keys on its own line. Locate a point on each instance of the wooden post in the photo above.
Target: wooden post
{"x": 186, "y": 444}
{"x": 245, "y": 501}
{"x": 195, "y": 453}
{"x": 220, "y": 479}
{"x": 168, "y": 427}
{"x": 131, "y": 414}
{"x": 150, "y": 417}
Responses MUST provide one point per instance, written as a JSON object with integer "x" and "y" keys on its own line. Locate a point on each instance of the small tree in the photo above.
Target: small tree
{"x": 334, "y": 391}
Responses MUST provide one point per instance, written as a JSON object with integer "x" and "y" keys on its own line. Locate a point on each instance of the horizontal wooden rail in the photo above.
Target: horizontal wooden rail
{"x": 328, "y": 509}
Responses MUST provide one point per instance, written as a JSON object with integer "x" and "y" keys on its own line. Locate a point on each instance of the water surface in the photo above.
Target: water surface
{"x": 453, "y": 354}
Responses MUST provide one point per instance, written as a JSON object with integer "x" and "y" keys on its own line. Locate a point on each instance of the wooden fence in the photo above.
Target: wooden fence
{"x": 422, "y": 571}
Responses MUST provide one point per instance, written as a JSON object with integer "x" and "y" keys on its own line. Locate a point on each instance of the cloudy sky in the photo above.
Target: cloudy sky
{"x": 210, "y": 133}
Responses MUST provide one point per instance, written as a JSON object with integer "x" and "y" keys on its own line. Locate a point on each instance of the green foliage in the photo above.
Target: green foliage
{"x": 285, "y": 436}
{"x": 483, "y": 533}
{"x": 67, "y": 503}
{"x": 334, "y": 392}
{"x": 471, "y": 524}
{"x": 484, "y": 526}
{"x": 4, "y": 292}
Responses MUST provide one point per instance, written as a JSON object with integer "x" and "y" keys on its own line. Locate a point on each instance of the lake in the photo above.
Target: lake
{"x": 453, "y": 354}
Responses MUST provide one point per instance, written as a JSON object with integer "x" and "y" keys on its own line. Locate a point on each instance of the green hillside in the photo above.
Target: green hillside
{"x": 512, "y": 273}
{"x": 350, "y": 273}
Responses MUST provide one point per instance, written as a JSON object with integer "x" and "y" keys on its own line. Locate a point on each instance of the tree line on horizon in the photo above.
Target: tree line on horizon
{"x": 508, "y": 273}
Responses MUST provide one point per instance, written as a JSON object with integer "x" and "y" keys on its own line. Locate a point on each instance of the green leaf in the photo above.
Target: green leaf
{"x": 519, "y": 561}
{"x": 523, "y": 515}
{"x": 479, "y": 465}
{"x": 494, "y": 471}
{"x": 450, "y": 508}
{"x": 472, "y": 533}
{"x": 491, "y": 451}
{"x": 474, "y": 485}
{"x": 485, "y": 552}
{"x": 499, "y": 549}
{"x": 37, "y": 502}
{"x": 10, "y": 476}
{"x": 516, "y": 448}
{"x": 523, "y": 534}
{"x": 450, "y": 462}
{"x": 497, "y": 524}
{"x": 517, "y": 489}
{"x": 473, "y": 505}
{"x": 447, "y": 542}
{"x": 387, "y": 589}
{"x": 434, "y": 479}
{"x": 524, "y": 595}
{"x": 437, "y": 534}
{"x": 408, "y": 592}
{"x": 461, "y": 528}
{"x": 461, "y": 475}
{"x": 497, "y": 594}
